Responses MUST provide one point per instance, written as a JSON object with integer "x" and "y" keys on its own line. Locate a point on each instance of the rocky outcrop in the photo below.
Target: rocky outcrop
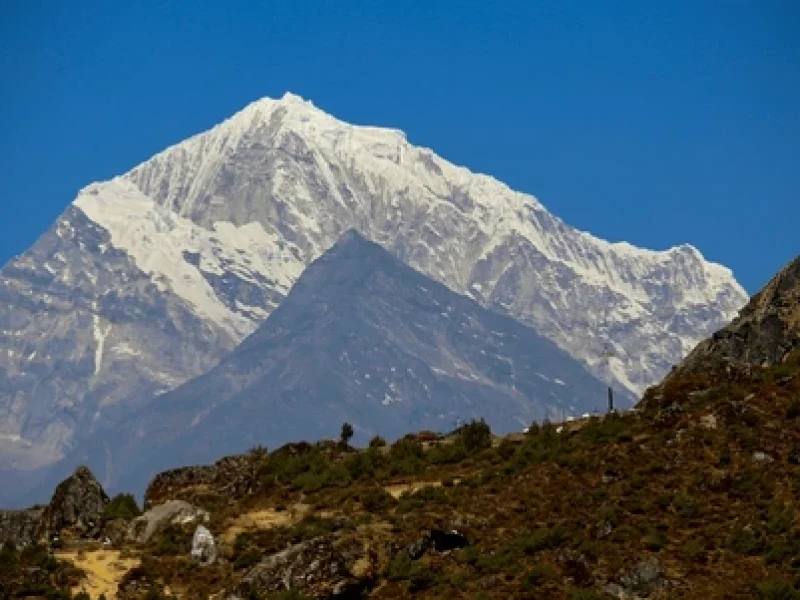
{"x": 325, "y": 568}
{"x": 232, "y": 477}
{"x": 78, "y": 505}
{"x": 174, "y": 512}
{"x": 764, "y": 334}
{"x": 21, "y": 527}
{"x": 77, "y": 508}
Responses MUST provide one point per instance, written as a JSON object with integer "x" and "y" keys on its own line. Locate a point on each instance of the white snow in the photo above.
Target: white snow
{"x": 156, "y": 239}
{"x": 148, "y": 213}
{"x": 100, "y": 334}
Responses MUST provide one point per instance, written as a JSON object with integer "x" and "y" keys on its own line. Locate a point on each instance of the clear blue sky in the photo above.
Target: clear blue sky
{"x": 653, "y": 122}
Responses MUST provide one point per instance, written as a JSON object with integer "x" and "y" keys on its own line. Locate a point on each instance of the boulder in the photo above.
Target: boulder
{"x": 78, "y": 505}
{"x": 641, "y": 581}
{"x": 324, "y": 567}
{"x": 174, "y": 512}
{"x": 204, "y": 548}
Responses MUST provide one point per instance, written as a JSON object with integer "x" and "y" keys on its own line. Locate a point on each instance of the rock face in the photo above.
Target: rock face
{"x": 764, "y": 334}
{"x": 361, "y": 338}
{"x": 174, "y": 512}
{"x": 149, "y": 279}
{"x": 77, "y": 508}
{"x": 321, "y": 568}
{"x": 78, "y": 505}
{"x": 232, "y": 478}
{"x": 21, "y": 527}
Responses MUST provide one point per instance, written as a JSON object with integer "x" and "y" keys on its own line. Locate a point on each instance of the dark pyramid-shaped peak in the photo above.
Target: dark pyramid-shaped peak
{"x": 362, "y": 338}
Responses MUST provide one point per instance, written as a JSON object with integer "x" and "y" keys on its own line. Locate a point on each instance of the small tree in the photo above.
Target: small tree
{"x": 347, "y": 434}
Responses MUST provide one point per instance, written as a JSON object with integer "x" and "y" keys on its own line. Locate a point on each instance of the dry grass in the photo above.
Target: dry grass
{"x": 104, "y": 570}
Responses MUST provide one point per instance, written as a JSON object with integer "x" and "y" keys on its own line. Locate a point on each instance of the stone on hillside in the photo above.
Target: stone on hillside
{"x": 641, "y": 581}
{"x": 20, "y": 527}
{"x": 762, "y": 457}
{"x": 324, "y": 568}
{"x": 78, "y": 505}
{"x": 174, "y": 512}
{"x": 204, "y": 548}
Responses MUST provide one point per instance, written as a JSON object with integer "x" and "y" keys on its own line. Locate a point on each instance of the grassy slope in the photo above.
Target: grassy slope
{"x": 553, "y": 515}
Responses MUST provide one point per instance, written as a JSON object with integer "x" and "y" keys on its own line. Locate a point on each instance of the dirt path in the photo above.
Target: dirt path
{"x": 104, "y": 570}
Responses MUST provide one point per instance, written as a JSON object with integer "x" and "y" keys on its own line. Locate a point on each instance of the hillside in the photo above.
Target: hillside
{"x": 692, "y": 495}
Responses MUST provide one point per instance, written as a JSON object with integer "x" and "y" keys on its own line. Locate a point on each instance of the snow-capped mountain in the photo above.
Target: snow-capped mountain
{"x": 361, "y": 338}
{"x": 149, "y": 279}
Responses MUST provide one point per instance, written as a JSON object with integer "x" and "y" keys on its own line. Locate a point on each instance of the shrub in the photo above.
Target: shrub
{"x": 780, "y": 518}
{"x": 655, "y": 540}
{"x": 378, "y": 500}
{"x": 377, "y": 442}
{"x": 346, "y": 434}
{"x": 694, "y": 550}
{"x": 402, "y": 568}
{"x": 793, "y": 411}
{"x": 122, "y": 506}
{"x": 476, "y": 436}
{"x": 775, "y": 589}
{"x": 744, "y": 540}
{"x": 539, "y": 575}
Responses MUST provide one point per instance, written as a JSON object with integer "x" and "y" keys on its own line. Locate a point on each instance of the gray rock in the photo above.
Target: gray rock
{"x": 762, "y": 457}
{"x": 174, "y": 512}
{"x": 640, "y": 582}
{"x": 78, "y": 505}
{"x": 21, "y": 527}
{"x": 204, "y": 548}
{"x": 321, "y": 568}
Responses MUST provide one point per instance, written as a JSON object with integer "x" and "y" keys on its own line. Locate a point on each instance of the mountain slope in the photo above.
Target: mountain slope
{"x": 361, "y": 338}
{"x": 148, "y": 280}
{"x": 764, "y": 334}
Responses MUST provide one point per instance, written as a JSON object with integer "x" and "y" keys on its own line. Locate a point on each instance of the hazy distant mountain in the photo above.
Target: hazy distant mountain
{"x": 149, "y": 279}
{"x": 361, "y": 338}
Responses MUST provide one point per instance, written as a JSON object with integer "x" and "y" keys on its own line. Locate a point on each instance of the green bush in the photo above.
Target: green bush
{"x": 780, "y": 518}
{"x": 775, "y": 589}
{"x": 378, "y": 500}
{"x": 539, "y": 575}
{"x": 744, "y": 540}
{"x": 417, "y": 574}
{"x": 655, "y": 540}
{"x": 476, "y": 436}
{"x": 377, "y": 442}
{"x": 122, "y": 506}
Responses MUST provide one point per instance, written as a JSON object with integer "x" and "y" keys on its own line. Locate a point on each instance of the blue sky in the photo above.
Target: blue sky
{"x": 653, "y": 122}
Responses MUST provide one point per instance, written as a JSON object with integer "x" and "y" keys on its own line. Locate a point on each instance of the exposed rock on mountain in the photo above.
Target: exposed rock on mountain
{"x": 174, "y": 512}
{"x": 764, "y": 334}
{"x": 76, "y": 508}
{"x": 78, "y": 505}
{"x": 21, "y": 527}
{"x": 361, "y": 338}
{"x": 149, "y": 279}
{"x": 321, "y": 568}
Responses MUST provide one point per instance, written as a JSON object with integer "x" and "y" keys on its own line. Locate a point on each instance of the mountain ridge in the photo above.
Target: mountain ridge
{"x": 361, "y": 338}
{"x": 149, "y": 279}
